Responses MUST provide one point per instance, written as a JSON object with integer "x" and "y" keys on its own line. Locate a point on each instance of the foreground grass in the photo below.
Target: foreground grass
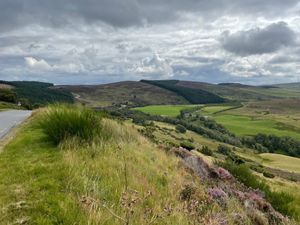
{"x": 122, "y": 179}
{"x": 33, "y": 184}
{"x": 279, "y": 184}
{"x": 164, "y": 110}
{"x": 125, "y": 180}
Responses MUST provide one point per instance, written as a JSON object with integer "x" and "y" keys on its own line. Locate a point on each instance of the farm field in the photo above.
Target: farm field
{"x": 283, "y": 162}
{"x": 274, "y": 161}
{"x": 215, "y": 108}
{"x": 164, "y": 110}
{"x": 247, "y": 125}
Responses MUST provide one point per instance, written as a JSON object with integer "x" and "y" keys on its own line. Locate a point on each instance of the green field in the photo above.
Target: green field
{"x": 283, "y": 162}
{"x": 247, "y": 126}
{"x": 215, "y": 109}
{"x": 164, "y": 110}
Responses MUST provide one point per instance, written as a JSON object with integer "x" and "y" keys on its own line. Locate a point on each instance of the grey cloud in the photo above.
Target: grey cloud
{"x": 123, "y": 13}
{"x": 259, "y": 40}
{"x": 284, "y": 59}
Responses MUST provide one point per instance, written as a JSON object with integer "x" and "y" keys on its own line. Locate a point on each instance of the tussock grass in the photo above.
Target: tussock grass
{"x": 60, "y": 122}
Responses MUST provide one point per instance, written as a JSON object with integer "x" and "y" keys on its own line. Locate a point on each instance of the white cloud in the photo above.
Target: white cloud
{"x": 155, "y": 66}
{"x": 36, "y": 64}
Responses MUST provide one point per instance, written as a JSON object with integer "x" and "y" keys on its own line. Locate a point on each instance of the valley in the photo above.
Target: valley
{"x": 111, "y": 143}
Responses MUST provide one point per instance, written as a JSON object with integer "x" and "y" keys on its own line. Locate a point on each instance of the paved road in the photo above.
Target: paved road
{"x": 11, "y": 118}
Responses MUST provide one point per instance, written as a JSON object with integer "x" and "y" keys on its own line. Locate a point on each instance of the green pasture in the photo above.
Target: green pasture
{"x": 283, "y": 162}
{"x": 247, "y": 126}
{"x": 215, "y": 109}
{"x": 164, "y": 110}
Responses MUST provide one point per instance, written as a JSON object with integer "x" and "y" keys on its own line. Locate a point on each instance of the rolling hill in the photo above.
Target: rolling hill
{"x": 136, "y": 93}
{"x": 175, "y": 92}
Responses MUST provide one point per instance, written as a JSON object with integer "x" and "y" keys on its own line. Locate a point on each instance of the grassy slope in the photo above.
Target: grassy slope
{"x": 42, "y": 184}
{"x": 136, "y": 92}
{"x": 33, "y": 184}
{"x": 276, "y": 161}
{"x": 164, "y": 110}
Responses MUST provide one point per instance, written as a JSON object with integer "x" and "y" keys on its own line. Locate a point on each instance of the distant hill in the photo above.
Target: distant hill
{"x": 241, "y": 92}
{"x": 158, "y": 92}
{"x": 132, "y": 92}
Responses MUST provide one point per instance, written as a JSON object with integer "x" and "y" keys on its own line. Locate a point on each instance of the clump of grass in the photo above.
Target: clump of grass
{"x": 60, "y": 122}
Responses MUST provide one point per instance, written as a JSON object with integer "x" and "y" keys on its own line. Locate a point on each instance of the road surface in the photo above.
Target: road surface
{"x": 10, "y": 119}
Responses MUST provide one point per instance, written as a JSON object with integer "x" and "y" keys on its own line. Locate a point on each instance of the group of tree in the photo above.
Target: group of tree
{"x": 194, "y": 96}
{"x": 273, "y": 144}
{"x": 33, "y": 94}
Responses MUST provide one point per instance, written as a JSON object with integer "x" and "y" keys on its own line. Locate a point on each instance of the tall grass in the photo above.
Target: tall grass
{"x": 60, "y": 122}
{"x": 281, "y": 201}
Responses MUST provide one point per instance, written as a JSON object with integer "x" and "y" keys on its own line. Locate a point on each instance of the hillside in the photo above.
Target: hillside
{"x": 135, "y": 93}
{"x": 117, "y": 177}
{"x": 32, "y": 94}
{"x": 194, "y": 96}
{"x": 241, "y": 92}
{"x": 175, "y": 92}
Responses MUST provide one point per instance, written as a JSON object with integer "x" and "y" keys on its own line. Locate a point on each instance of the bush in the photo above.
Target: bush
{"x": 223, "y": 149}
{"x": 257, "y": 168}
{"x": 63, "y": 121}
{"x": 7, "y": 95}
{"x": 268, "y": 174}
{"x": 206, "y": 151}
{"x": 180, "y": 128}
{"x": 187, "y": 145}
{"x": 235, "y": 158}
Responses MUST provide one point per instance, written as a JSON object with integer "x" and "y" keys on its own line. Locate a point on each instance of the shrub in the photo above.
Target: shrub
{"x": 217, "y": 193}
{"x": 235, "y": 158}
{"x": 187, "y": 145}
{"x": 180, "y": 128}
{"x": 63, "y": 121}
{"x": 7, "y": 95}
{"x": 257, "y": 168}
{"x": 148, "y": 132}
{"x": 206, "y": 151}
{"x": 268, "y": 174}
{"x": 223, "y": 149}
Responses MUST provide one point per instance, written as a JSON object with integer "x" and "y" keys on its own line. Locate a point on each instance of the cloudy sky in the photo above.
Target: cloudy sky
{"x": 101, "y": 41}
